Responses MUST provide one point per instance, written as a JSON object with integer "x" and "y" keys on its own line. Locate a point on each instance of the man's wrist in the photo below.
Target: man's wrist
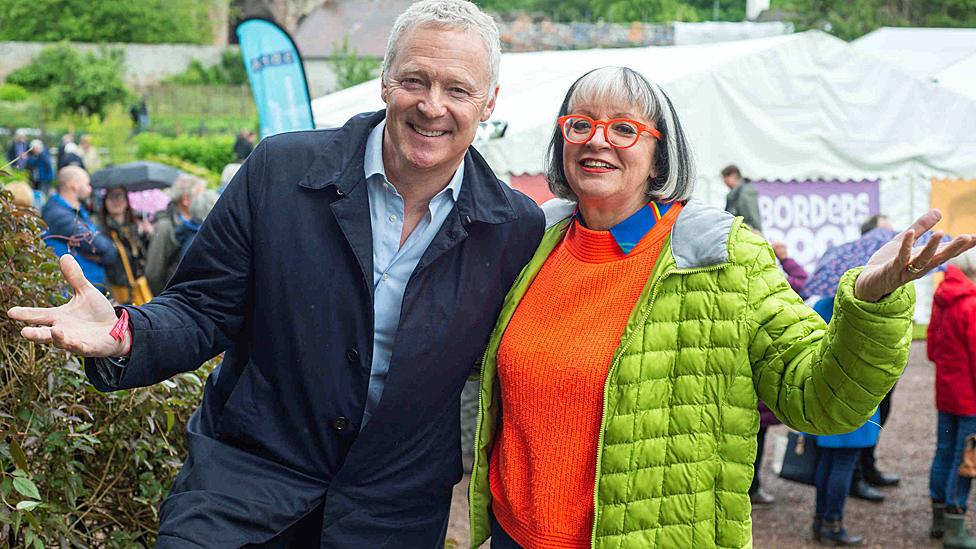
{"x": 122, "y": 332}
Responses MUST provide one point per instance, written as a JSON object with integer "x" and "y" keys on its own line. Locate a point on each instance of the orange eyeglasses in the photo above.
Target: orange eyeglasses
{"x": 620, "y": 133}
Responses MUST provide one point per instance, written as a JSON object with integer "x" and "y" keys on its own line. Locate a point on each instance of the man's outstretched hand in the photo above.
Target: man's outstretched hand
{"x": 82, "y": 325}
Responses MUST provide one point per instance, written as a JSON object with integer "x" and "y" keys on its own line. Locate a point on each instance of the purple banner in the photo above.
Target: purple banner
{"x": 811, "y": 216}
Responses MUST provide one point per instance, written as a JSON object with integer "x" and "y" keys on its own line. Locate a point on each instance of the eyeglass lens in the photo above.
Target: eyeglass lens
{"x": 619, "y": 133}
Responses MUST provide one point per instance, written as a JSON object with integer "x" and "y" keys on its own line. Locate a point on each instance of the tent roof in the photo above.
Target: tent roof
{"x": 945, "y": 56}
{"x": 800, "y": 106}
{"x": 923, "y": 52}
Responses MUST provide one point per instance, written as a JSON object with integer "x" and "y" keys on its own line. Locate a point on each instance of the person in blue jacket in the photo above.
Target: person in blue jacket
{"x": 838, "y": 457}
{"x": 70, "y": 229}
{"x": 353, "y": 277}
{"x": 40, "y": 166}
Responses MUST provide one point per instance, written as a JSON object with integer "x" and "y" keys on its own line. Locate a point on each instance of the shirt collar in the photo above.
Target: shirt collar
{"x": 630, "y": 231}
{"x": 373, "y": 162}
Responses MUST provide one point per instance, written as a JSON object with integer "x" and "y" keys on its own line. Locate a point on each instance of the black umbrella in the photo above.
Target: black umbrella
{"x": 136, "y": 176}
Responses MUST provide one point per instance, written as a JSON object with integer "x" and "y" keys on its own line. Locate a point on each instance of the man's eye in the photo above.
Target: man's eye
{"x": 459, "y": 91}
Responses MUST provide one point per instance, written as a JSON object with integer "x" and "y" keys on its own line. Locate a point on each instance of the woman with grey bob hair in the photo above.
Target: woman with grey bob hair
{"x": 618, "y": 394}
{"x": 447, "y": 14}
{"x": 673, "y": 162}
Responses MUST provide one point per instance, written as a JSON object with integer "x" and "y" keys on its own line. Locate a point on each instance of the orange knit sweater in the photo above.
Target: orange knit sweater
{"x": 552, "y": 364}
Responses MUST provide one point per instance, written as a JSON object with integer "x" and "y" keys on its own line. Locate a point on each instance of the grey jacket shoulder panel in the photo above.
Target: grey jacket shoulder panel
{"x": 556, "y": 210}
{"x": 700, "y": 236}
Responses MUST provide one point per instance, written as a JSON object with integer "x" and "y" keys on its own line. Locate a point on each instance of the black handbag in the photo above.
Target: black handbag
{"x": 800, "y": 459}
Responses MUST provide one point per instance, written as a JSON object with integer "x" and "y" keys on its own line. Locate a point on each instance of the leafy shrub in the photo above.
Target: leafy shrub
{"x": 13, "y": 92}
{"x": 211, "y": 152}
{"x": 77, "y": 468}
{"x": 229, "y": 72}
{"x": 48, "y": 68}
{"x": 351, "y": 69}
{"x": 75, "y": 82}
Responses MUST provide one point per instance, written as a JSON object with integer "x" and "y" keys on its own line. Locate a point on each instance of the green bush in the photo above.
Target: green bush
{"x": 48, "y": 68}
{"x": 210, "y": 152}
{"x": 13, "y": 92}
{"x": 351, "y": 69}
{"x": 75, "y": 82}
{"x": 145, "y": 21}
{"x": 77, "y": 468}
{"x": 229, "y": 72}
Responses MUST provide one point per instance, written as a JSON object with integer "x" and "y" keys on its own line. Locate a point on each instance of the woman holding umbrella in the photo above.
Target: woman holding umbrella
{"x": 131, "y": 237}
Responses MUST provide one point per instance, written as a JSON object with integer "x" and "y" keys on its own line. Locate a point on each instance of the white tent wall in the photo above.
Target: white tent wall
{"x": 798, "y": 107}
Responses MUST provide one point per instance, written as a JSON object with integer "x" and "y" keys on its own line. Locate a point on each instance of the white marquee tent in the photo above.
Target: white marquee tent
{"x": 944, "y": 56}
{"x": 796, "y": 107}
{"x": 793, "y": 107}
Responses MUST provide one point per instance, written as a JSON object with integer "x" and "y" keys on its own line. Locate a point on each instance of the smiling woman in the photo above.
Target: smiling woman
{"x": 661, "y": 321}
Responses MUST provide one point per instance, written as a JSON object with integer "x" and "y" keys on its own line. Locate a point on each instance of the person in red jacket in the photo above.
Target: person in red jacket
{"x": 952, "y": 347}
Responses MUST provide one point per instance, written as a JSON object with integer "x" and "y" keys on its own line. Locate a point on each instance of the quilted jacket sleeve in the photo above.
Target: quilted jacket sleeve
{"x": 822, "y": 379}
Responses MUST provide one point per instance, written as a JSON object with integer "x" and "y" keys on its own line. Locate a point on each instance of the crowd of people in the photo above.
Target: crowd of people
{"x": 128, "y": 254}
{"x": 624, "y": 333}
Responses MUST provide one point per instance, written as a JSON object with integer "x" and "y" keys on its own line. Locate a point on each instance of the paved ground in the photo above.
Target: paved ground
{"x": 906, "y": 448}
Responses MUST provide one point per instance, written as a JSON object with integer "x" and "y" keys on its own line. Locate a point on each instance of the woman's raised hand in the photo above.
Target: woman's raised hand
{"x": 894, "y": 264}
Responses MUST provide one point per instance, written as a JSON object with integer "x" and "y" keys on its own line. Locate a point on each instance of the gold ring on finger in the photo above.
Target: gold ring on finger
{"x": 913, "y": 269}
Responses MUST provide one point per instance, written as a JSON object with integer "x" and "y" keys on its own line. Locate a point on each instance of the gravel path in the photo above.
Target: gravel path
{"x": 905, "y": 448}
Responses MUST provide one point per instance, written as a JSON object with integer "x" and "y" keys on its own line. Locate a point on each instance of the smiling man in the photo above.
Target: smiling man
{"x": 352, "y": 276}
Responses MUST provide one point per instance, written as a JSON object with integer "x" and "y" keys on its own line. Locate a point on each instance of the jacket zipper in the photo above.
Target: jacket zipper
{"x": 606, "y": 387}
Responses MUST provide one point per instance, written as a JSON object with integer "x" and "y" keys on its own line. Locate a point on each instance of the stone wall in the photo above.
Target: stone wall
{"x": 148, "y": 64}
{"x": 145, "y": 64}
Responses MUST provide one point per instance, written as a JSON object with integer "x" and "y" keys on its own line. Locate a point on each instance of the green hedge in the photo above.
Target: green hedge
{"x": 13, "y": 92}
{"x": 211, "y": 152}
{"x": 77, "y": 468}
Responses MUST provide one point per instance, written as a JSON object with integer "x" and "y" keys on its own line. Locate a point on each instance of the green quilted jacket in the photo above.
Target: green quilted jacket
{"x": 716, "y": 326}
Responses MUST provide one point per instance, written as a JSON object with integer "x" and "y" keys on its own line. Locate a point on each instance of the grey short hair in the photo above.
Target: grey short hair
{"x": 451, "y": 15}
{"x": 202, "y": 204}
{"x": 966, "y": 262}
{"x": 673, "y": 162}
{"x": 184, "y": 185}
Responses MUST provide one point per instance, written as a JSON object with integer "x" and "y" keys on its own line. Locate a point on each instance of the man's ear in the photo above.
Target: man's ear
{"x": 490, "y": 107}
{"x": 384, "y": 90}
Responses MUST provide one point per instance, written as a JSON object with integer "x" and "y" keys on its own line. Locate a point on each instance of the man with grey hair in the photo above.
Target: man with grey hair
{"x": 163, "y": 254}
{"x": 353, "y": 277}
{"x": 17, "y": 152}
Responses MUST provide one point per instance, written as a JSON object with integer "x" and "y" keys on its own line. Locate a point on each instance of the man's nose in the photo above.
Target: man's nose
{"x": 432, "y": 105}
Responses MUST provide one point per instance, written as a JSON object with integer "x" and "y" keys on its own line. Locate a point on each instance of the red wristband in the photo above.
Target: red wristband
{"x": 121, "y": 328}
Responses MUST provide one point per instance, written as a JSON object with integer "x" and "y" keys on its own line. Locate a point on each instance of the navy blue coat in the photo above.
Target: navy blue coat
{"x": 280, "y": 276}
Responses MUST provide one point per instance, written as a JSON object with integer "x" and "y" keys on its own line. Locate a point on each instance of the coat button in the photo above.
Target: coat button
{"x": 352, "y": 355}
{"x": 340, "y": 423}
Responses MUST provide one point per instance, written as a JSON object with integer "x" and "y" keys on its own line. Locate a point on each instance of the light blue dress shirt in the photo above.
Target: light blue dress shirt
{"x": 393, "y": 264}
